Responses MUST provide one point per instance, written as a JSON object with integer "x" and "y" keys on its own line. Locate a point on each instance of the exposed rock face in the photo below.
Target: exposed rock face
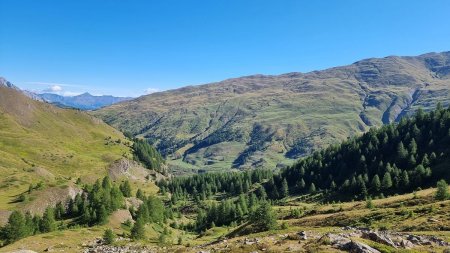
{"x": 125, "y": 168}
{"x": 343, "y": 243}
{"x": 267, "y": 121}
{"x": 380, "y": 237}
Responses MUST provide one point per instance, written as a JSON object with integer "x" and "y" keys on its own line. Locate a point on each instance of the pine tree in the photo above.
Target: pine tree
{"x": 402, "y": 153}
{"x": 243, "y": 204}
{"x": 125, "y": 187}
{"x": 405, "y": 179}
{"x": 106, "y": 183}
{"x": 376, "y": 184}
{"x": 442, "y": 190}
{"x": 59, "y": 211}
{"x": 301, "y": 184}
{"x": 15, "y": 228}
{"x": 262, "y": 192}
{"x": 284, "y": 189}
{"x": 387, "y": 181}
{"x": 48, "y": 222}
{"x": 138, "y": 230}
{"x": 109, "y": 237}
{"x": 312, "y": 188}
{"x": 102, "y": 215}
{"x": 263, "y": 218}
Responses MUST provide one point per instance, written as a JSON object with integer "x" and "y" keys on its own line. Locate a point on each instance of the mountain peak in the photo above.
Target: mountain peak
{"x": 86, "y": 94}
{"x": 8, "y": 84}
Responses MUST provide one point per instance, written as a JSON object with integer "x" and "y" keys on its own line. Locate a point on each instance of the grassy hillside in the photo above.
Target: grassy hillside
{"x": 269, "y": 121}
{"x": 418, "y": 215}
{"x": 258, "y": 210}
{"x": 50, "y": 147}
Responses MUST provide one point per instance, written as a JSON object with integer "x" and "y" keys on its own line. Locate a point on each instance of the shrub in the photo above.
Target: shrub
{"x": 109, "y": 237}
{"x": 442, "y": 190}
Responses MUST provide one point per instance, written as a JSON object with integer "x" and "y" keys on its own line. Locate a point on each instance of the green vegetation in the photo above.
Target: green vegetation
{"x": 269, "y": 121}
{"x": 442, "y": 190}
{"x": 148, "y": 155}
{"x": 90, "y": 208}
{"x": 353, "y": 169}
{"x": 44, "y": 147}
{"x": 109, "y": 237}
{"x": 263, "y": 218}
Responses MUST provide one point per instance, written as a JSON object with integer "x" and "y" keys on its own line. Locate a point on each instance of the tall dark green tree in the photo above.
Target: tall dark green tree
{"x": 15, "y": 229}
{"x": 263, "y": 218}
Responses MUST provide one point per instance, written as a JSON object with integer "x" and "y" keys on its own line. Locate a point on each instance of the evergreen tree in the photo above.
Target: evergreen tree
{"x": 125, "y": 188}
{"x": 387, "y": 181}
{"x": 102, "y": 215}
{"x": 263, "y": 218}
{"x": 138, "y": 230}
{"x": 48, "y": 222}
{"x": 301, "y": 184}
{"x": 59, "y": 211}
{"x": 284, "y": 189}
{"x": 442, "y": 190}
{"x": 405, "y": 179}
{"x": 15, "y": 228}
{"x": 109, "y": 237}
{"x": 312, "y": 188}
{"x": 402, "y": 153}
{"x": 262, "y": 192}
{"x": 376, "y": 184}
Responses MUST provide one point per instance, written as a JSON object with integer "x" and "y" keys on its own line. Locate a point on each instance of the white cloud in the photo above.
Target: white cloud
{"x": 55, "y": 88}
{"x": 70, "y": 93}
{"x": 151, "y": 90}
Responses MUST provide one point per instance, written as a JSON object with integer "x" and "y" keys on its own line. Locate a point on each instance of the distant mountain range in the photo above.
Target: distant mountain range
{"x": 271, "y": 120}
{"x": 83, "y": 101}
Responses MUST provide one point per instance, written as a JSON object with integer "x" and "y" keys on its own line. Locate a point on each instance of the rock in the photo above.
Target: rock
{"x": 406, "y": 244}
{"x": 418, "y": 240}
{"x": 302, "y": 235}
{"x": 335, "y": 240}
{"x": 343, "y": 243}
{"x": 358, "y": 247}
{"x": 431, "y": 219}
{"x": 379, "y": 237}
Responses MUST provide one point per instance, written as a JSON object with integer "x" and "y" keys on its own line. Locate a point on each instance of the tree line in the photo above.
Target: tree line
{"x": 91, "y": 207}
{"x": 395, "y": 158}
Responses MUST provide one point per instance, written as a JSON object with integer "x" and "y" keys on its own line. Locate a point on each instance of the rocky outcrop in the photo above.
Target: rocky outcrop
{"x": 380, "y": 237}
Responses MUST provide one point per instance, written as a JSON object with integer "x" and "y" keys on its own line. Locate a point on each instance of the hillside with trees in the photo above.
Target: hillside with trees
{"x": 269, "y": 121}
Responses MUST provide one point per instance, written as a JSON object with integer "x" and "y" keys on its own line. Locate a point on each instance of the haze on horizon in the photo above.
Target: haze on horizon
{"x": 130, "y": 49}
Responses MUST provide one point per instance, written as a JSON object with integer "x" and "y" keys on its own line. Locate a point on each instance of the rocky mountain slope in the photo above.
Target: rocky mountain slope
{"x": 262, "y": 120}
{"x": 83, "y": 101}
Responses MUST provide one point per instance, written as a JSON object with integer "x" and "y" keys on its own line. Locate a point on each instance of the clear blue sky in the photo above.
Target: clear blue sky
{"x": 125, "y": 47}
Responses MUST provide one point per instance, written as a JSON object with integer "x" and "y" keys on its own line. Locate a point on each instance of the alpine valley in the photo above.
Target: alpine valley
{"x": 348, "y": 159}
{"x": 265, "y": 121}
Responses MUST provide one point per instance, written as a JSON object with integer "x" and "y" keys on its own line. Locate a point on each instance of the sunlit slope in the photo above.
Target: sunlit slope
{"x": 265, "y": 121}
{"x": 39, "y": 142}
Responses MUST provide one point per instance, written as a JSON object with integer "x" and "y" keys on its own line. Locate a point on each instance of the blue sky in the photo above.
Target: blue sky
{"x": 124, "y": 48}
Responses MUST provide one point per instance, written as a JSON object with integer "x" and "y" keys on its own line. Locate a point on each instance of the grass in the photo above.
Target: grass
{"x": 318, "y": 219}
{"x": 296, "y": 113}
{"x": 42, "y": 143}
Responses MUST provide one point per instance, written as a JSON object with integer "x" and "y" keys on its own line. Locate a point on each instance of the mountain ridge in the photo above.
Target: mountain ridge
{"x": 84, "y": 101}
{"x": 269, "y": 120}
